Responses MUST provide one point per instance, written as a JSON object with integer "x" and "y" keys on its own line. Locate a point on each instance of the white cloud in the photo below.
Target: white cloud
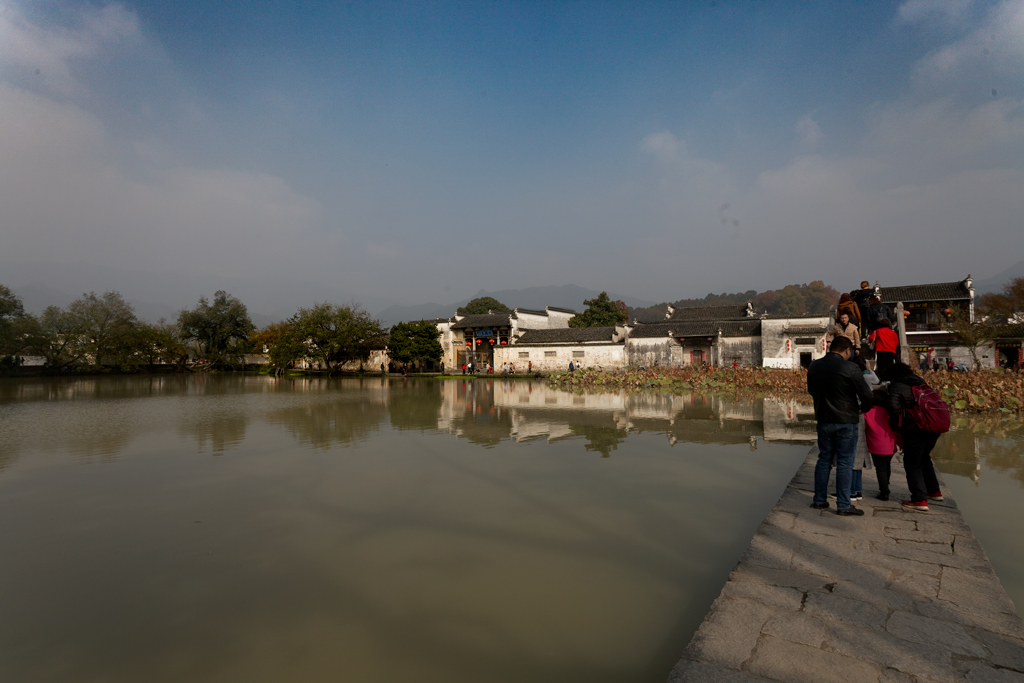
{"x": 947, "y": 11}
{"x": 664, "y": 146}
{"x": 45, "y": 56}
{"x": 809, "y": 131}
{"x": 996, "y": 46}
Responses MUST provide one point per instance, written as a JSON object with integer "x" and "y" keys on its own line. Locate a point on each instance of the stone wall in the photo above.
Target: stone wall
{"x": 555, "y": 357}
{"x": 776, "y": 333}
{"x": 655, "y": 351}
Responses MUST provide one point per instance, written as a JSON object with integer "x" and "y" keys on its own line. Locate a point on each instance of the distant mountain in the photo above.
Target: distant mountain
{"x": 565, "y": 296}
{"x": 996, "y": 282}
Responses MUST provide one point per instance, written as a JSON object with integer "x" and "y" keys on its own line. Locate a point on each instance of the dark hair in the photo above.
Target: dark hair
{"x": 840, "y": 344}
{"x": 860, "y": 363}
{"x": 864, "y": 284}
{"x": 896, "y": 372}
{"x": 875, "y": 300}
{"x": 879, "y": 396}
{"x": 844, "y": 297}
{"x": 884, "y": 322}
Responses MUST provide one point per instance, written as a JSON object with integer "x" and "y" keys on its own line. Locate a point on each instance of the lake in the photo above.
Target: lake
{"x": 242, "y": 528}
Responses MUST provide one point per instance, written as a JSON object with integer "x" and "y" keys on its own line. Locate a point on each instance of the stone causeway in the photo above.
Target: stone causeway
{"x": 894, "y": 596}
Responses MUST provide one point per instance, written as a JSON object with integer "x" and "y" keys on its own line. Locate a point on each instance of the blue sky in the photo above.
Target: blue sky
{"x": 407, "y": 152}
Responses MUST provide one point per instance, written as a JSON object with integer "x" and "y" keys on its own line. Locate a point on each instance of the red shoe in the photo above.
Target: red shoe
{"x": 936, "y": 496}
{"x": 919, "y": 506}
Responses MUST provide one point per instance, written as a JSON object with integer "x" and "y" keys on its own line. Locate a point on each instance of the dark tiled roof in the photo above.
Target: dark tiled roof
{"x": 531, "y": 311}
{"x": 801, "y": 316}
{"x": 484, "y": 320}
{"x": 567, "y": 335}
{"x": 561, "y": 310}
{"x": 701, "y": 328}
{"x": 731, "y": 312}
{"x": 940, "y": 291}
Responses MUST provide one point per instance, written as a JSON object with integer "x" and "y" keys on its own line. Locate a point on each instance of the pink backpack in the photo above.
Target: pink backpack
{"x": 930, "y": 412}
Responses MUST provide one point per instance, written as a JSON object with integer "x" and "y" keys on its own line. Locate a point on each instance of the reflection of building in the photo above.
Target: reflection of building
{"x": 488, "y": 412}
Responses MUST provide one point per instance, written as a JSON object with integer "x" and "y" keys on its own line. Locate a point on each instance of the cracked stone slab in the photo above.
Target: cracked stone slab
{"x": 833, "y": 607}
{"x": 978, "y": 673}
{"x": 930, "y": 631}
{"x": 729, "y": 633}
{"x": 789, "y": 599}
{"x": 785, "y": 661}
{"x": 910, "y": 659}
{"x": 796, "y": 628}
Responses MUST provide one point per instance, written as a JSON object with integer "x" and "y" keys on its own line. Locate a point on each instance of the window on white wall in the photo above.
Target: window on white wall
{"x": 524, "y": 354}
{"x": 549, "y": 354}
{"x": 577, "y": 354}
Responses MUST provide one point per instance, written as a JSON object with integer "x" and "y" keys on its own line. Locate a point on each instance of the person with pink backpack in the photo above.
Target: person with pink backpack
{"x": 919, "y": 416}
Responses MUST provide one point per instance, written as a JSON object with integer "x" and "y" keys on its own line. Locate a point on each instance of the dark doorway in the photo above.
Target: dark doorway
{"x": 805, "y": 359}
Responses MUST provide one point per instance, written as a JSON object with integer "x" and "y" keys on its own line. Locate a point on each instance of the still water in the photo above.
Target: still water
{"x": 238, "y": 528}
{"x": 245, "y": 529}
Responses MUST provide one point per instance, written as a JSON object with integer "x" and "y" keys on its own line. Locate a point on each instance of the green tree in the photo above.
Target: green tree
{"x": 410, "y": 342}
{"x": 328, "y": 335}
{"x": 55, "y": 336}
{"x": 106, "y": 327}
{"x": 1005, "y": 309}
{"x": 600, "y": 312}
{"x": 482, "y": 305}
{"x": 159, "y": 343}
{"x": 967, "y": 332}
{"x": 12, "y": 314}
{"x": 218, "y": 329}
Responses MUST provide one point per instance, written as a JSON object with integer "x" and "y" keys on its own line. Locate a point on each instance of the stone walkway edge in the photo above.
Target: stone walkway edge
{"x": 894, "y": 596}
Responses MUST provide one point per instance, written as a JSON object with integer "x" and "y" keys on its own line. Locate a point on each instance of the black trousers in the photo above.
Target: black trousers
{"x": 883, "y": 469}
{"x": 917, "y": 461}
{"x": 884, "y": 359}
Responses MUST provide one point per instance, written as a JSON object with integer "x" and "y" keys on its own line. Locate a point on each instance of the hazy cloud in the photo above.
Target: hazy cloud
{"x": 948, "y": 11}
{"x": 808, "y": 130}
{"x": 664, "y": 146}
{"x": 996, "y": 46}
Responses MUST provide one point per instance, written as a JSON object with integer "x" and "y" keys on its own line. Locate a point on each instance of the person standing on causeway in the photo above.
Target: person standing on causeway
{"x": 840, "y": 395}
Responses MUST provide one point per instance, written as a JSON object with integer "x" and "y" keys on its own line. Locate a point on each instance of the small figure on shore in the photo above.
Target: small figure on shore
{"x": 840, "y": 395}
{"x": 529, "y": 367}
{"x": 442, "y": 367}
{"x": 919, "y": 416}
{"x": 572, "y": 366}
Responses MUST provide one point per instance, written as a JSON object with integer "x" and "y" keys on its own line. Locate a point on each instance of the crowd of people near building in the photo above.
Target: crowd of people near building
{"x": 865, "y": 414}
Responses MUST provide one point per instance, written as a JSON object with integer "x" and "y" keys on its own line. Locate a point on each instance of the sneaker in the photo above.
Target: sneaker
{"x": 819, "y": 506}
{"x": 850, "y": 512}
{"x": 857, "y": 496}
{"x": 919, "y": 506}
{"x": 882, "y": 496}
{"x": 935, "y": 496}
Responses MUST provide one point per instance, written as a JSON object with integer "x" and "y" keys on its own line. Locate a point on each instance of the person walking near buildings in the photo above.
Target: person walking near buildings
{"x": 886, "y": 345}
{"x": 850, "y": 308}
{"x": 845, "y": 328}
{"x": 919, "y": 416}
{"x": 840, "y": 395}
{"x": 875, "y": 313}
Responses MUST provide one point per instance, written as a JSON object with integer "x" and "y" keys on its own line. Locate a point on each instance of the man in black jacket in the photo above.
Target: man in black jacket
{"x": 840, "y": 395}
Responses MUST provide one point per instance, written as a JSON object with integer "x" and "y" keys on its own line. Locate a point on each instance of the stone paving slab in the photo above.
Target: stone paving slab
{"x": 894, "y": 596}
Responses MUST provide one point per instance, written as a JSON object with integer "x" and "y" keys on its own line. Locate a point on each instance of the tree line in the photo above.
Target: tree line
{"x": 102, "y": 330}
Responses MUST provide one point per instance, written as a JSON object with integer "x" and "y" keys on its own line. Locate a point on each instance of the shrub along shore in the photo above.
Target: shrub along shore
{"x": 973, "y": 392}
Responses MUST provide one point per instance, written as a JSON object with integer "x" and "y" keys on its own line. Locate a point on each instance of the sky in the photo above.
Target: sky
{"x": 406, "y": 152}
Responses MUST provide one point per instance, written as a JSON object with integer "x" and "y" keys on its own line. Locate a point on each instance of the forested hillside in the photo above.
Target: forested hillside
{"x": 808, "y": 298}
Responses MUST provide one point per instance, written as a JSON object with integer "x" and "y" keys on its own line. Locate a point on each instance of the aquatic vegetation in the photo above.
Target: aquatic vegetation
{"x": 982, "y": 391}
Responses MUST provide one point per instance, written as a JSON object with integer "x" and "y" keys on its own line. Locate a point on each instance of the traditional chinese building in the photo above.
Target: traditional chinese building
{"x": 474, "y": 338}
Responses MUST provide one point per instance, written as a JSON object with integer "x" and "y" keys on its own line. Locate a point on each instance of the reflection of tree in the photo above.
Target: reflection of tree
{"x": 414, "y": 404}
{"x": 601, "y": 438}
{"x": 222, "y": 430}
{"x": 331, "y": 420}
{"x": 998, "y": 441}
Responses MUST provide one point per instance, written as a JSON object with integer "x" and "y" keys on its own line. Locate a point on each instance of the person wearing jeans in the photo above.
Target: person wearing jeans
{"x": 840, "y": 395}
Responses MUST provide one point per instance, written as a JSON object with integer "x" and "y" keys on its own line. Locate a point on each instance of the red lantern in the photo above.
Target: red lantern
{"x": 787, "y": 345}
{"x": 906, "y": 314}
